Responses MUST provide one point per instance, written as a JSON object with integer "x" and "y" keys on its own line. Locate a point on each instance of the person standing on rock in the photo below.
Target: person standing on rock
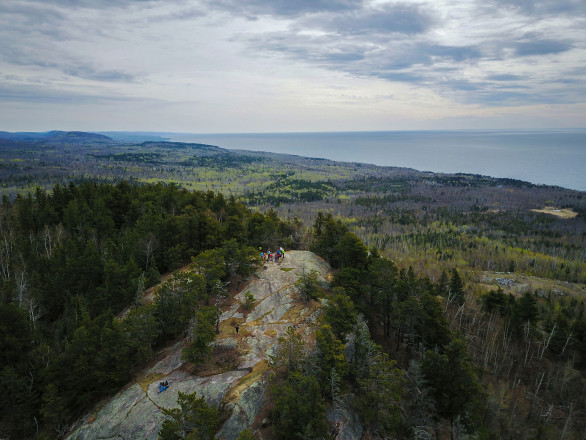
{"x": 237, "y": 328}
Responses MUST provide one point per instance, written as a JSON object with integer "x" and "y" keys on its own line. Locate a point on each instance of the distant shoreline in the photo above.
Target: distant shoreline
{"x": 544, "y": 157}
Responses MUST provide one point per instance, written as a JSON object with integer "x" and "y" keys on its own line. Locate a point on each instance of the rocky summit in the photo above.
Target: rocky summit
{"x": 136, "y": 411}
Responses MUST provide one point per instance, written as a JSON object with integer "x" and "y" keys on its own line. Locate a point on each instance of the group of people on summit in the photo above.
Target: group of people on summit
{"x": 272, "y": 256}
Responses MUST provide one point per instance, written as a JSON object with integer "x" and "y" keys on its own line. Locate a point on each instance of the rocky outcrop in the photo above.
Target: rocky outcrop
{"x": 345, "y": 422}
{"x": 135, "y": 412}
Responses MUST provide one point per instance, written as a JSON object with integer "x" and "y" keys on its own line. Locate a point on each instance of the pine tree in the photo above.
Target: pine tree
{"x": 381, "y": 389}
{"x": 290, "y": 353}
{"x": 456, "y": 289}
{"x": 351, "y": 252}
{"x": 454, "y": 384}
{"x": 308, "y": 286}
{"x": 382, "y": 276}
{"x": 329, "y": 353}
{"x": 193, "y": 420}
{"x": 339, "y": 313}
{"x": 443, "y": 284}
{"x": 300, "y": 409}
{"x": 202, "y": 333}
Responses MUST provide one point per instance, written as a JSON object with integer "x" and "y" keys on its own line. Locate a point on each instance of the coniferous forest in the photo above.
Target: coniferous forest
{"x": 456, "y": 309}
{"x": 74, "y": 258}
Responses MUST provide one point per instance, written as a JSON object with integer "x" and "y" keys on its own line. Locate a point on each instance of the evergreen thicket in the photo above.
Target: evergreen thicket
{"x": 492, "y": 368}
{"x": 403, "y": 313}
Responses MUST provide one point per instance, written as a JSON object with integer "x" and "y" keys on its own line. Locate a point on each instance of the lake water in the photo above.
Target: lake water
{"x": 542, "y": 157}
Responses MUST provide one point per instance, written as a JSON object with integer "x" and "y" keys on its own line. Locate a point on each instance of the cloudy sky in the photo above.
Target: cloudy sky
{"x": 291, "y": 65}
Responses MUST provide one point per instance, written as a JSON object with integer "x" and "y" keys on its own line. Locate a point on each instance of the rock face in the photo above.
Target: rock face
{"x": 135, "y": 412}
{"x": 345, "y": 422}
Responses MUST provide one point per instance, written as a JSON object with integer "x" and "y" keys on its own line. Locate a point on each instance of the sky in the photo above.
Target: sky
{"x": 237, "y": 66}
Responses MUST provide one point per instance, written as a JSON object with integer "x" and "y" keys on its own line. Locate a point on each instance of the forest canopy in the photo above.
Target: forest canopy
{"x": 74, "y": 258}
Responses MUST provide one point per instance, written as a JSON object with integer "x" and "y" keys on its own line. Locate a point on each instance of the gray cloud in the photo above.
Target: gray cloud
{"x": 32, "y": 18}
{"x": 45, "y": 93}
{"x": 466, "y": 86}
{"x": 188, "y": 13}
{"x": 408, "y": 54}
{"x": 454, "y": 53}
{"x": 357, "y": 56}
{"x": 65, "y": 63}
{"x": 497, "y": 97}
{"x": 544, "y": 7}
{"x": 326, "y": 50}
{"x": 476, "y": 52}
{"x": 96, "y": 4}
{"x": 37, "y": 94}
{"x": 572, "y": 81}
{"x": 283, "y": 8}
{"x": 90, "y": 72}
{"x": 551, "y": 92}
{"x": 396, "y": 42}
{"x": 504, "y": 77}
{"x": 32, "y": 33}
{"x": 408, "y": 77}
{"x": 542, "y": 47}
{"x": 401, "y": 18}
{"x": 512, "y": 98}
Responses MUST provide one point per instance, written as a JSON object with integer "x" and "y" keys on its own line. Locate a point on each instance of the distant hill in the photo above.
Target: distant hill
{"x": 58, "y": 137}
{"x": 201, "y": 149}
{"x": 23, "y": 136}
{"x": 133, "y": 136}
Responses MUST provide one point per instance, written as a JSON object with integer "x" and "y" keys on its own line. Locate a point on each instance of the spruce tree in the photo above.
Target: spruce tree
{"x": 193, "y": 420}
{"x": 454, "y": 384}
{"x": 456, "y": 289}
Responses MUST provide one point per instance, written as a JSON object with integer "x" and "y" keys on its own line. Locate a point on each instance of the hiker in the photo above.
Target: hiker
{"x": 237, "y": 328}
{"x": 166, "y": 383}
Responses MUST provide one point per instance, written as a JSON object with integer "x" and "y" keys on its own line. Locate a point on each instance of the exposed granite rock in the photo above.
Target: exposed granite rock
{"x": 244, "y": 412}
{"x": 505, "y": 281}
{"x": 128, "y": 414}
{"x": 345, "y": 422}
{"x": 135, "y": 412}
{"x": 171, "y": 360}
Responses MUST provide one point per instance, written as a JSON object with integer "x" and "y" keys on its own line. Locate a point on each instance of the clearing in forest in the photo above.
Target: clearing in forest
{"x": 558, "y": 212}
